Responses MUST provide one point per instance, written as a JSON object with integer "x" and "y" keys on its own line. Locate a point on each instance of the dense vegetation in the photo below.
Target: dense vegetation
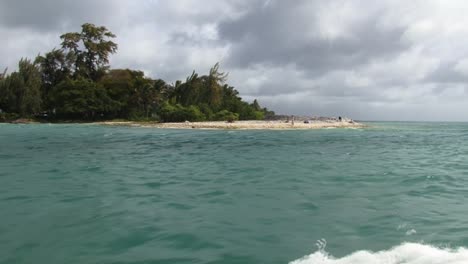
{"x": 75, "y": 82}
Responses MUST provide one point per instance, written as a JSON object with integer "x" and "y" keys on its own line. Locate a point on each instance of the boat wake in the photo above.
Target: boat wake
{"x": 408, "y": 253}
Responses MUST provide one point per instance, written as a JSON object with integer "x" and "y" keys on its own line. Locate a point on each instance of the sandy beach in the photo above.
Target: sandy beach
{"x": 243, "y": 125}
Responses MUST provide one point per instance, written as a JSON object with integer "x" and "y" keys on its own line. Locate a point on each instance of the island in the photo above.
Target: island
{"x": 75, "y": 84}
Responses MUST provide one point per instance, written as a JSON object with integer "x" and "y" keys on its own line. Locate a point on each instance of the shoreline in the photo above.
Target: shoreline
{"x": 239, "y": 125}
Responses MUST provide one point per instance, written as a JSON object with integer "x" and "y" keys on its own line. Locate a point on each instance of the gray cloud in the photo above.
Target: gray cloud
{"x": 388, "y": 60}
{"x": 51, "y": 15}
{"x": 279, "y": 34}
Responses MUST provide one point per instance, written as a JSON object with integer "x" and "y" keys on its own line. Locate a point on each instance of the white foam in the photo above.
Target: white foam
{"x": 408, "y": 253}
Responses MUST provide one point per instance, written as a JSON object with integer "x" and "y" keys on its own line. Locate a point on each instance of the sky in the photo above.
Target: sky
{"x": 367, "y": 60}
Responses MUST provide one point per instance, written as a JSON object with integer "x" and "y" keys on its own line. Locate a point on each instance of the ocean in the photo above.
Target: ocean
{"x": 391, "y": 193}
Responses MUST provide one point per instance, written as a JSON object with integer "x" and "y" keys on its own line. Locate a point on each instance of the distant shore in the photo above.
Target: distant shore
{"x": 251, "y": 125}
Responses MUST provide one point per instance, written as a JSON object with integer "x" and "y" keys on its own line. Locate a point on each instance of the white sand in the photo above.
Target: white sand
{"x": 244, "y": 125}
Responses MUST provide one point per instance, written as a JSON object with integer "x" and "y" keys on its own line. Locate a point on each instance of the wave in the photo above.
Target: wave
{"x": 408, "y": 253}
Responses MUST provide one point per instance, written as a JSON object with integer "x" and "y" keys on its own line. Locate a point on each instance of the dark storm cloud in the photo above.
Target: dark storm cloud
{"x": 276, "y": 34}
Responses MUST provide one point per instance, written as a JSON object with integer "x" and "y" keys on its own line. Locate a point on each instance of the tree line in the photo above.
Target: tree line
{"x": 75, "y": 82}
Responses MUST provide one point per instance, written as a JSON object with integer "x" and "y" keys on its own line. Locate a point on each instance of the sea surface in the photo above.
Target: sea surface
{"x": 391, "y": 193}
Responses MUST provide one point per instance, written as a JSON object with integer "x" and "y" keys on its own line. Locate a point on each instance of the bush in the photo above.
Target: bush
{"x": 194, "y": 114}
{"x": 178, "y": 113}
{"x": 207, "y": 111}
{"x": 259, "y": 115}
{"x": 7, "y": 117}
{"x": 225, "y": 115}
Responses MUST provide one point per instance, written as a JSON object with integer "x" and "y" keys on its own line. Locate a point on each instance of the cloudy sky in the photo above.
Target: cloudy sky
{"x": 369, "y": 60}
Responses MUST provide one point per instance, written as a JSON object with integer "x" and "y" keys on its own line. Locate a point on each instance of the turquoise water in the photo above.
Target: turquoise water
{"x": 95, "y": 194}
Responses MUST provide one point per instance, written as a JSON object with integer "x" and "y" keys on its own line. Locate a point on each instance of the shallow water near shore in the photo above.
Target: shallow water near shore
{"x": 390, "y": 193}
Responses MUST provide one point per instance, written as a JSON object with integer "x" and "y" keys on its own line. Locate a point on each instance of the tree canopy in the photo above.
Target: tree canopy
{"x": 89, "y": 50}
{"x": 75, "y": 82}
{"x": 20, "y": 92}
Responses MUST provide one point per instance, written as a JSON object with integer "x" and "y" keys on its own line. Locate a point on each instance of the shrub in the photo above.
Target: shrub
{"x": 178, "y": 113}
{"x": 7, "y": 117}
{"x": 225, "y": 115}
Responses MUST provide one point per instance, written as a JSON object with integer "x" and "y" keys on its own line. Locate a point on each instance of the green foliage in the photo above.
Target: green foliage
{"x": 20, "y": 92}
{"x": 215, "y": 90}
{"x": 75, "y": 82}
{"x": 82, "y": 99}
{"x": 207, "y": 111}
{"x": 7, "y": 117}
{"x": 135, "y": 94}
{"x": 55, "y": 66}
{"x": 259, "y": 115}
{"x": 212, "y": 95}
{"x": 225, "y": 115}
{"x": 90, "y": 50}
{"x": 146, "y": 97}
{"x": 119, "y": 87}
{"x": 8, "y": 97}
{"x": 179, "y": 113}
{"x": 31, "y": 98}
{"x": 207, "y": 89}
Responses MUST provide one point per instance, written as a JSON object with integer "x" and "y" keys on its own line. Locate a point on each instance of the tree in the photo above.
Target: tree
{"x": 55, "y": 66}
{"x": 2, "y": 75}
{"x": 188, "y": 93}
{"x": 90, "y": 50}
{"x": 165, "y": 90}
{"x": 137, "y": 96}
{"x": 215, "y": 81}
{"x": 146, "y": 95}
{"x": 8, "y": 93}
{"x": 75, "y": 82}
{"x": 20, "y": 92}
{"x": 198, "y": 90}
{"x": 82, "y": 99}
{"x": 256, "y": 106}
{"x": 31, "y": 98}
{"x": 119, "y": 86}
